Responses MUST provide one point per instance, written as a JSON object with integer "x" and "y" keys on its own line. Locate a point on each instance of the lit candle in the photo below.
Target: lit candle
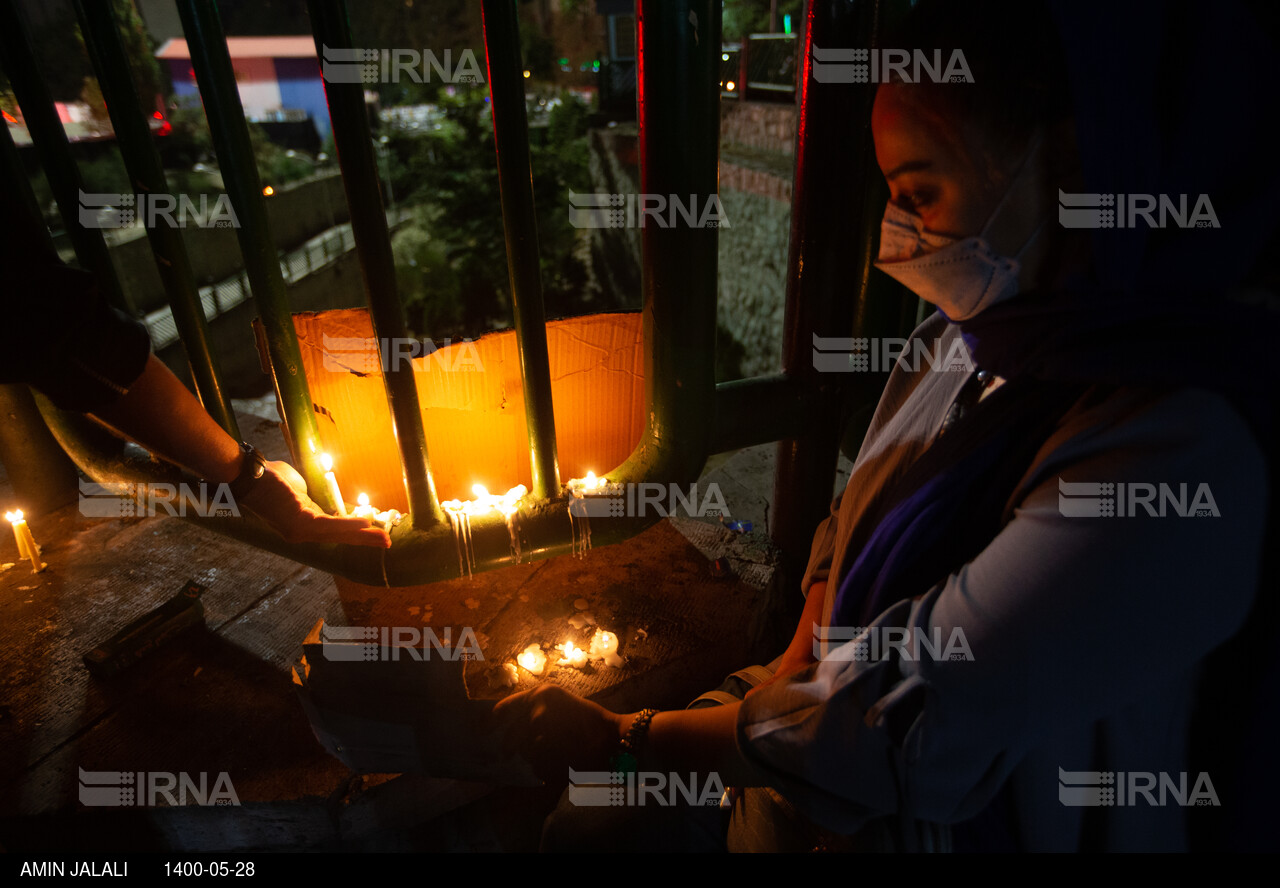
{"x": 533, "y": 659}
{"x": 573, "y": 656}
{"x": 604, "y": 646}
{"x": 27, "y": 547}
{"x": 387, "y": 519}
{"x": 363, "y": 509}
{"x": 331, "y": 481}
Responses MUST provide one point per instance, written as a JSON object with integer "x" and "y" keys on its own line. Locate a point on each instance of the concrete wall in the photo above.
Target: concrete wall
{"x": 296, "y": 212}
{"x": 761, "y": 125}
{"x": 756, "y": 166}
{"x": 337, "y": 286}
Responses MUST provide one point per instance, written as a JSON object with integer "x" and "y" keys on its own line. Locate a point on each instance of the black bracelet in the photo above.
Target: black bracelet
{"x": 253, "y": 466}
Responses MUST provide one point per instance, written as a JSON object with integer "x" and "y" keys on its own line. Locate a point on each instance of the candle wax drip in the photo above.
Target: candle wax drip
{"x": 515, "y": 536}
{"x": 580, "y": 527}
{"x": 461, "y": 522}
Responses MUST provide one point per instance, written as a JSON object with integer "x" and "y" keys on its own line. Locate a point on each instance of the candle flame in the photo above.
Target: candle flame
{"x": 327, "y": 462}
{"x": 590, "y": 481}
{"x": 533, "y": 659}
{"x": 363, "y": 499}
{"x": 14, "y": 516}
{"x": 486, "y": 502}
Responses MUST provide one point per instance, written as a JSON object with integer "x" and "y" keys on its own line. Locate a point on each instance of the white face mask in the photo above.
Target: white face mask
{"x": 961, "y": 277}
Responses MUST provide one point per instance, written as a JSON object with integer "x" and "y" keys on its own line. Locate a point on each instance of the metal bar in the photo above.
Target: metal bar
{"x": 354, "y": 144}
{"x": 756, "y": 411}
{"x": 55, "y": 153}
{"x": 834, "y": 172}
{"x": 16, "y": 184}
{"x": 217, "y": 81}
{"x": 678, "y": 93}
{"x": 419, "y": 555}
{"x": 42, "y": 476}
{"x": 519, "y": 221}
{"x": 133, "y": 135}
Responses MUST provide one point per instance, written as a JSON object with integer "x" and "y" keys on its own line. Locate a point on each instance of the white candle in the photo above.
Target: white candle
{"x": 363, "y": 509}
{"x": 19, "y": 538}
{"x": 27, "y": 547}
{"x": 331, "y": 482}
{"x": 533, "y": 659}
{"x": 573, "y": 656}
{"x": 604, "y": 646}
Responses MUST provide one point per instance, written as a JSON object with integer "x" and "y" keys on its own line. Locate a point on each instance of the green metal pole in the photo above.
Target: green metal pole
{"x": 830, "y": 289}
{"x": 217, "y": 81}
{"x": 55, "y": 153}
{"x": 679, "y": 109}
{"x": 16, "y": 184}
{"x": 515, "y": 181}
{"x": 354, "y": 143}
{"x": 133, "y": 134}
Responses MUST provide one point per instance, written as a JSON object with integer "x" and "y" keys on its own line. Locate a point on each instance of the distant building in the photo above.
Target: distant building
{"x": 279, "y": 79}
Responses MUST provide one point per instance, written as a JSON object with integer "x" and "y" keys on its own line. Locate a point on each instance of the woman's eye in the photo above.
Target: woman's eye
{"x": 916, "y": 200}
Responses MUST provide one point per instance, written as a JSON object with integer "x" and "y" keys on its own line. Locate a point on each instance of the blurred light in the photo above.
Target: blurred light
{"x": 724, "y": 56}
{"x": 268, "y": 191}
{"x": 527, "y": 74}
{"x": 786, "y": 23}
{"x": 731, "y": 86}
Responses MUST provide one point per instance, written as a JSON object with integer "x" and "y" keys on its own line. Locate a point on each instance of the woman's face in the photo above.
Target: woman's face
{"x": 949, "y": 175}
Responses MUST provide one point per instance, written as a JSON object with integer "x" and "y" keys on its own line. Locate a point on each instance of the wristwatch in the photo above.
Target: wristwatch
{"x": 253, "y": 465}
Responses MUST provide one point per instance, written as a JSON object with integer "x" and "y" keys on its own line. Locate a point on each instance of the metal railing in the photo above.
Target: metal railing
{"x": 687, "y": 416}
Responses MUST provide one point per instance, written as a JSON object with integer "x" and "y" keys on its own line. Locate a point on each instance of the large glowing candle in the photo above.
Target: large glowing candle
{"x": 533, "y": 659}
{"x": 27, "y": 547}
{"x": 331, "y": 482}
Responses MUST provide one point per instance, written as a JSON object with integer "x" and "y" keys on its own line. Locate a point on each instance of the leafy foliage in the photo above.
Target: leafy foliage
{"x": 452, "y": 262}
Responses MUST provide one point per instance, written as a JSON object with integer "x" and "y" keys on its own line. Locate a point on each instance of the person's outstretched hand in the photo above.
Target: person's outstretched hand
{"x": 555, "y": 730}
{"x": 280, "y": 498}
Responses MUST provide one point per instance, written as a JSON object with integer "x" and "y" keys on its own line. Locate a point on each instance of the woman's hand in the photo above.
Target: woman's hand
{"x": 280, "y": 498}
{"x": 555, "y": 730}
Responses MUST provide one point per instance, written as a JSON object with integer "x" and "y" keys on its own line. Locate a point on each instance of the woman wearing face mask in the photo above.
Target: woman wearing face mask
{"x": 1071, "y": 638}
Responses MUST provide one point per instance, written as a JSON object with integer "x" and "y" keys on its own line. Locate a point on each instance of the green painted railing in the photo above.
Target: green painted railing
{"x": 687, "y": 415}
